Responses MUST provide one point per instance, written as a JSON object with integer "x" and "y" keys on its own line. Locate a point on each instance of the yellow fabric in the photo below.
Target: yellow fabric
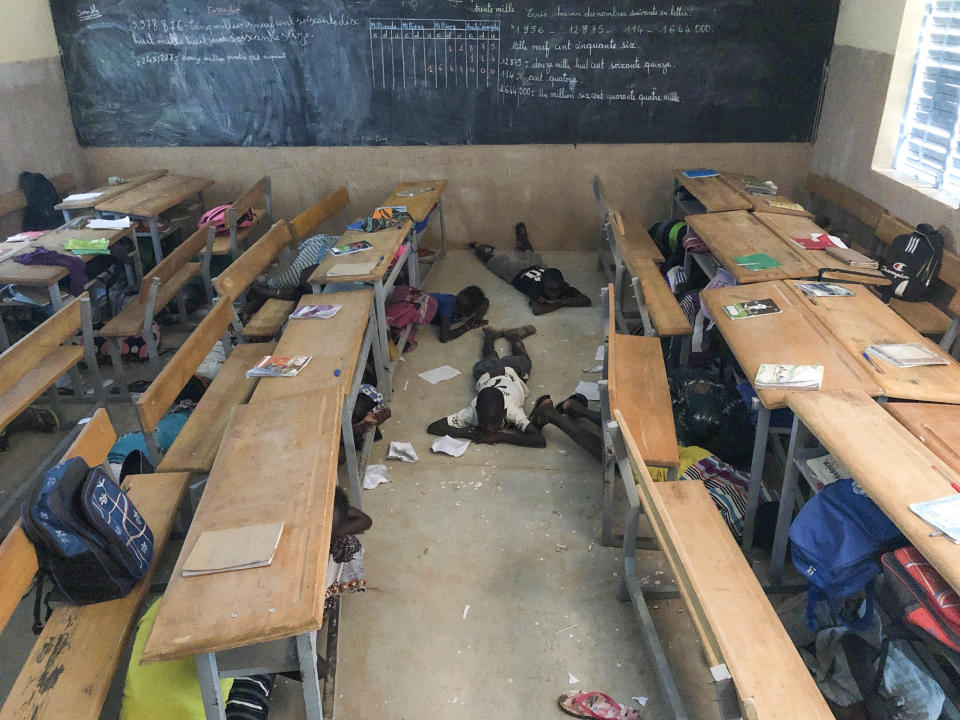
{"x": 163, "y": 690}
{"x": 688, "y": 456}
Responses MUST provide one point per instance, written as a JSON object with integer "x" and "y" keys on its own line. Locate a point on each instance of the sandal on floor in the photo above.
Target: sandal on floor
{"x": 595, "y": 705}
{"x": 534, "y": 415}
{"x": 576, "y": 398}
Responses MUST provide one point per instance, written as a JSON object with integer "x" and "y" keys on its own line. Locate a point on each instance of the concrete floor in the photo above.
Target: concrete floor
{"x": 513, "y": 533}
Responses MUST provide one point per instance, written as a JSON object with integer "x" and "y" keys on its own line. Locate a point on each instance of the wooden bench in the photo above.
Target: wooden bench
{"x": 71, "y": 666}
{"x": 15, "y": 201}
{"x": 634, "y": 381}
{"x": 197, "y": 442}
{"x": 924, "y": 316}
{"x": 32, "y": 365}
{"x": 846, "y": 199}
{"x": 233, "y": 282}
{"x": 160, "y": 287}
{"x": 258, "y": 200}
{"x": 740, "y": 633}
{"x": 634, "y": 254}
{"x": 306, "y": 223}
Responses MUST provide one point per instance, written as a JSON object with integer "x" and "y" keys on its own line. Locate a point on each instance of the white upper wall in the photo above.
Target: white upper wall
{"x": 26, "y": 32}
{"x": 870, "y": 24}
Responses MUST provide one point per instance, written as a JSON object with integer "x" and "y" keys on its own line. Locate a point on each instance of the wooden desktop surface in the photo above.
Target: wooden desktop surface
{"x": 713, "y": 193}
{"x": 385, "y": 244}
{"x": 419, "y": 206}
{"x": 891, "y": 465}
{"x": 936, "y": 425}
{"x": 277, "y": 461}
{"x": 733, "y": 234}
{"x": 791, "y": 226}
{"x": 153, "y": 197}
{"x": 45, "y": 275}
{"x": 329, "y": 342}
{"x": 791, "y": 337}
{"x": 108, "y": 192}
{"x": 761, "y": 203}
{"x": 863, "y": 320}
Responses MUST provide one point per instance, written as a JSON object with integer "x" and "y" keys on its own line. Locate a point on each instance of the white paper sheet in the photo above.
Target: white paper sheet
{"x": 82, "y": 196}
{"x": 591, "y": 391}
{"x": 599, "y": 356}
{"x": 450, "y": 446}
{"x": 375, "y": 475}
{"x": 444, "y": 372}
{"x": 402, "y": 451}
{"x": 105, "y": 224}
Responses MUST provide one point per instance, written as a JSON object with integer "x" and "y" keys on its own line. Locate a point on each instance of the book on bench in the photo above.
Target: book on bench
{"x": 278, "y": 366}
{"x": 851, "y": 257}
{"x": 906, "y": 355}
{"x": 239, "y": 548}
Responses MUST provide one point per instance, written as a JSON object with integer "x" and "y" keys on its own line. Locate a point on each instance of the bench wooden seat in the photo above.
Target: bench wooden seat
{"x": 666, "y": 315}
{"x": 32, "y": 365}
{"x": 306, "y": 223}
{"x": 195, "y": 447}
{"x": 257, "y": 199}
{"x": 160, "y": 287}
{"x": 847, "y": 199}
{"x": 735, "y": 622}
{"x": 269, "y": 319}
{"x": 69, "y": 671}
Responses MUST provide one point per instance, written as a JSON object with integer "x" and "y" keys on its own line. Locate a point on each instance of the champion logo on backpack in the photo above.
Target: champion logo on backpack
{"x": 90, "y": 539}
{"x": 912, "y": 263}
{"x": 899, "y": 266}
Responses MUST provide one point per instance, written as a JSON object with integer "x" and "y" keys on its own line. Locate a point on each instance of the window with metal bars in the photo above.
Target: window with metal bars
{"x": 928, "y": 147}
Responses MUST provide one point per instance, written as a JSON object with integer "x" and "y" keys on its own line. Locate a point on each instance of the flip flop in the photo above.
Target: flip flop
{"x": 595, "y": 705}
{"x": 533, "y": 413}
{"x": 577, "y": 398}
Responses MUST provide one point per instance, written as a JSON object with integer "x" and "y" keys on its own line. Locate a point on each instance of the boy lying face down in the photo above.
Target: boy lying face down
{"x": 467, "y": 307}
{"x": 526, "y": 271}
{"x": 496, "y": 413}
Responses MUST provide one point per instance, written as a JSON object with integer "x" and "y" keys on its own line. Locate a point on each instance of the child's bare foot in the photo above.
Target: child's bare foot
{"x": 520, "y": 333}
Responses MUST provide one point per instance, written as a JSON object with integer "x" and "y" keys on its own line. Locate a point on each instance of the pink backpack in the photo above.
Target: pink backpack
{"x": 218, "y": 216}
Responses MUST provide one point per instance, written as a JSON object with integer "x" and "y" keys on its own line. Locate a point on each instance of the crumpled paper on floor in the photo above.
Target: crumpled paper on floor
{"x": 402, "y": 451}
{"x": 374, "y": 475}
{"x": 450, "y": 446}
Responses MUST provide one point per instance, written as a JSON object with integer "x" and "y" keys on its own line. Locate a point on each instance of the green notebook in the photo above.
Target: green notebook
{"x": 87, "y": 246}
{"x": 757, "y": 261}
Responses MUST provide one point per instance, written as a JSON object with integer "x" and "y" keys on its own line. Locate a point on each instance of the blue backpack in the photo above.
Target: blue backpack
{"x": 837, "y": 538}
{"x": 90, "y": 539}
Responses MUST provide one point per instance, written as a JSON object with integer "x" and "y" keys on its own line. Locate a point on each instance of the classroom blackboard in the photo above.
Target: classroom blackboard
{"x": 442, "y": 72}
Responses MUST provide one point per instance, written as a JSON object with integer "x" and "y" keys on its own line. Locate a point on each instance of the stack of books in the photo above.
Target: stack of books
{"x": 791, "y": 377}
{"x": 277, "y": 366}
{"x": 904, "y": 355}
{"x": 760, "y": 187}
{"x": 852, "y": 258}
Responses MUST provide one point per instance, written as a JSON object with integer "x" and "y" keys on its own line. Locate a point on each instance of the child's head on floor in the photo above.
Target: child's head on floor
{"x": 552, "y": 283}
{"x": 491, "y": 411}
{"x": 469, "y": 300}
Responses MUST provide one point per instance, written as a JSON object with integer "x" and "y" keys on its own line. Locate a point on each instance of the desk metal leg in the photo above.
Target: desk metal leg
{"x": 378, "y": 360}
{"x": 350, "y": 452}
{"x": 756, "y": 476}
{"x": 798, "y": 439}
{"x": 413, "y": 262}
{"x": 443, "y": 227}
{"x": 609, "y": 469}
{"x": 307, "y": 655}
{"x": 379, "y": 302}
{"x": 155, "y": 237}
{"x": 4, "y": 339}
{"x": 209, "y": 677}
{"x": 56, "y": 299}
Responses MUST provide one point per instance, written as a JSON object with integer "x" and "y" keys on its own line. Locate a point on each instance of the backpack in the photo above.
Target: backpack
{"x": 928, "y": 602}
{"x": 836, "y": 538}
{"x": 912, "y": 263}
{"x": 41, "y": 195}
{"x": 218, "y": 216}
{"x": 89, "y": 538}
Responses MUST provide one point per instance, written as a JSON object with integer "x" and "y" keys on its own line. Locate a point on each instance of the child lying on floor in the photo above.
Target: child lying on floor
{"x": 496, "y": 413}
{"x": 545, "y": 287}
{"x": 467, "y": 307}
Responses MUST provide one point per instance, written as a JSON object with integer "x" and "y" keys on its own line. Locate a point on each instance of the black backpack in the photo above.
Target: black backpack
{"x": 41, "y": 195}
{"x": 912, "y": 263}
{"x": 89, "y": 538}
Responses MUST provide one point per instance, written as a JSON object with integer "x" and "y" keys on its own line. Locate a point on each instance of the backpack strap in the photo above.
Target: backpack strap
{"x": 858, "y": 624}
{"x": 37, "y": 623}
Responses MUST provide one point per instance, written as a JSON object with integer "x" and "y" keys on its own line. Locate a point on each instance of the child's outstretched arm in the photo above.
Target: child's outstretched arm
{"x": 442, "y": 427}
{"x": 448, "y": 332}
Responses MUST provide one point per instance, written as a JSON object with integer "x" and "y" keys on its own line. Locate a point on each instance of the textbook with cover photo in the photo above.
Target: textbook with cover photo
{"x": 279, "y": 366}
{"x": 751, "y": 308}
{"x": 354, "y": 247}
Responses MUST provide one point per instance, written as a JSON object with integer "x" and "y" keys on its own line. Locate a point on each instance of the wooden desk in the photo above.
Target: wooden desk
{"x": 791, "y": 226}
{"x": 148, "y": 200}
{"x": 385, "y": 243}
{"x": 108, "y": 192}
{"x": 935, "y": 425}
{"x": 890, "y": 464}
{"x": 792, "y": 336}
{"x": 343, "y": 341}
{"x": 420, "y": 206}
{"x": 762, "y": 203}
{"x": 733, "y": 234}
{"x": 49, "y": 275}
{"x": 277, "y": 461}
{"x": 713, "y": 193}
{"x": 863, "y": 320}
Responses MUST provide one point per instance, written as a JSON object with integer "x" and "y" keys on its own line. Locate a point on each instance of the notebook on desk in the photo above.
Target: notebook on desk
{"x": 233, "y": 549}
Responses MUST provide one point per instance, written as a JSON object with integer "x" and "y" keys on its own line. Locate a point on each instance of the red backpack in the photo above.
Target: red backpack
{"x": 218, "y": 216}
